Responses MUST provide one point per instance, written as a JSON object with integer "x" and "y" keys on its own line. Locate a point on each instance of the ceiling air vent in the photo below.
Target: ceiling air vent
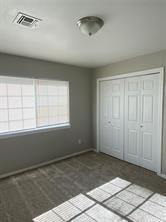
{"x": 26, "y": 20}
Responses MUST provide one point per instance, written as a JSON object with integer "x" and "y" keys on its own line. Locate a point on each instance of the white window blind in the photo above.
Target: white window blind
{"x": 30, "y": 103}
{"x": 52, "y": 102}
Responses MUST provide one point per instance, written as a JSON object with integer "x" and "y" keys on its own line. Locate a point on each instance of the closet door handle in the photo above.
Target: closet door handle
{"x": 141, "y": 126}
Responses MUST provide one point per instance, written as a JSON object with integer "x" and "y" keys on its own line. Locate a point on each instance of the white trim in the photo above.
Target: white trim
{"x": 45, "y": 163}
{"x": 160, "y": 121}
{"x": 162, "y": 175}
{"x": 68, "y": 100}
{"x": 159, "y": 71}
{"x": 133, "y": 74}
{"x": 35, "y": 130}
{"x": 98, "y": 116}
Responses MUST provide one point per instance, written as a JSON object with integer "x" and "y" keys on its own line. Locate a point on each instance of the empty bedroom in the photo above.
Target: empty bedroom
{"x": 82, "y": 111}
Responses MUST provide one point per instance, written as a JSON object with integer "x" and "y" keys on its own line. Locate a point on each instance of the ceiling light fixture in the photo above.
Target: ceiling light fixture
{"x": 90, "y": 25}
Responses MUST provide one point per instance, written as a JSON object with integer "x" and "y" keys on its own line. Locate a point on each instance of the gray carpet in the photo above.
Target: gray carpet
{"x": 30, "y": 194}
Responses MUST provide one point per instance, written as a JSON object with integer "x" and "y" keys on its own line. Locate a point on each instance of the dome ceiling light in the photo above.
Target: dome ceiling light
{"x": 90, "y": 25}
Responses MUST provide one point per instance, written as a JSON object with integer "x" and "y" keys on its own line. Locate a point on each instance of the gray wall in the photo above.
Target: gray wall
{"x": 150, "y": 61}
{"x": 25, "y": 151}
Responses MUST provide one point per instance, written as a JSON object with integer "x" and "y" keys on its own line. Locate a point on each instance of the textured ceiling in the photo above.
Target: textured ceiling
{"x": 132, "y": 28}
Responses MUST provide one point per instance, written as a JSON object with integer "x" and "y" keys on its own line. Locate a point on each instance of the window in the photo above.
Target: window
{"x": 32, "y": 104}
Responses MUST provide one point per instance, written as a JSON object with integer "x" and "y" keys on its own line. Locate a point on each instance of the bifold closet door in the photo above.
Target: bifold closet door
{"x": 149, "y": 121}
{"x": 111, "y": 117}
{"x": 132, "y": 120}
{"x": 141, "y": 112}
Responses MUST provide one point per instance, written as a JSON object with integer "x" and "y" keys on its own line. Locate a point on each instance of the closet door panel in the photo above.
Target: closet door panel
{"x": 132, "y": 142}
{"x": 111, "y": 126}
{"x": 105, "y": 115}
{"x": 117, "y": 108}
{"x": 148, "y": 123}
{"x": 132, "y": 116}
{"x": 115, "y": 120}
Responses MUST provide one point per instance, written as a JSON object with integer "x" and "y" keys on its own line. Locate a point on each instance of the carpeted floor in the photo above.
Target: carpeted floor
{"x": 27, "y": 195}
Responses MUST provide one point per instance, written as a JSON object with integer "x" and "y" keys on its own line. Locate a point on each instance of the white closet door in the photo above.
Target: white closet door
{"x": 141, "y": 112}
{"x": 132, "y": 120}
{"x": 111, "y": 117}
{"x": 148, "y": 121}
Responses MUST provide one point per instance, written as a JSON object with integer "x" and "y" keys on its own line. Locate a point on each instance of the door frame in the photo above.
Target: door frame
{"x": 159, "y": 71}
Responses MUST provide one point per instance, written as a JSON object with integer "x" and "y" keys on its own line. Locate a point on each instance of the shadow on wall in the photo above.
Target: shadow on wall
{"x": 117, "y": 200}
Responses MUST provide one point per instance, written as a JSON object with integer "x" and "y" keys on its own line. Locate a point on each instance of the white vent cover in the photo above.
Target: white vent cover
{"x": 26, "y": 20}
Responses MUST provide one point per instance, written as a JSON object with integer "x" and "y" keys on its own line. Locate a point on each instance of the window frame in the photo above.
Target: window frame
{"x": 40, "y": 129}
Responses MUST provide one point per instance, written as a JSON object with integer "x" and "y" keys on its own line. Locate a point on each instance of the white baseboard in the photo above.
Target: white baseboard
{"x": 44, "y": 164}
{"x": 162, "y": 175}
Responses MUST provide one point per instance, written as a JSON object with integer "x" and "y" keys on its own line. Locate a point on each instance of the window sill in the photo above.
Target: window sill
{"x": 37, "y": 130}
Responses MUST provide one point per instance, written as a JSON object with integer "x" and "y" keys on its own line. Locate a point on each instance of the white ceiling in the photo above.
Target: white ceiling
{"x": 132, "y": 28}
